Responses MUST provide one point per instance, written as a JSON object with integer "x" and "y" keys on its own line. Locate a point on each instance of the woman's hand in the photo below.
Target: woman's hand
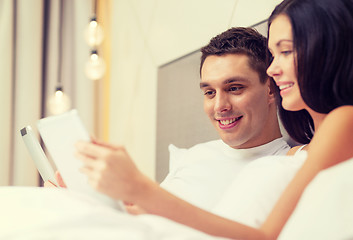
{"x": 110, "y": 170}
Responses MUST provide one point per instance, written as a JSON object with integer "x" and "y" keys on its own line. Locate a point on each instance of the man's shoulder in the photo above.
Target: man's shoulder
{"x": 277, "y": 147}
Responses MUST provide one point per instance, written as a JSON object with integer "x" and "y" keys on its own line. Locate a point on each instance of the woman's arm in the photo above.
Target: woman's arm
{"x": 111, "y": 171}
{"x": 332, "y": 144}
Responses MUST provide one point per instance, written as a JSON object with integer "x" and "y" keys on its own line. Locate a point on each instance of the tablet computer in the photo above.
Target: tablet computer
{"x": 41, "y": 161}
{"x": 59, "y": 134}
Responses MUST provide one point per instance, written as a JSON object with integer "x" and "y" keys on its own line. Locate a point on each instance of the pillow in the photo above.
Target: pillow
{"x": 175, "y": 156}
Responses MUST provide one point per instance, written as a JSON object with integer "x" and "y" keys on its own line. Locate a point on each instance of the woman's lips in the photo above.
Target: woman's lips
{"x": 284, "y": 88}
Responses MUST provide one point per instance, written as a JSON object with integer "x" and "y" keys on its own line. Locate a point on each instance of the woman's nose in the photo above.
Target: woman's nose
{"x": 274, "y": 69}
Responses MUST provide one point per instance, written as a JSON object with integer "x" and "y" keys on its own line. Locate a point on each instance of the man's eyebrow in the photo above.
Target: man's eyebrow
{"x": 204, "y": 85}
{"x": 235, "y": 80}
{"x": 227, "y": 81}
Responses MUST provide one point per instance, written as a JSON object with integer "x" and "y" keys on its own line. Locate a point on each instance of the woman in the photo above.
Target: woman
{"x": 311, "y": 42}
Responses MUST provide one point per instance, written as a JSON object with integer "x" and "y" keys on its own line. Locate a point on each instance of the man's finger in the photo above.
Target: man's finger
{"x": 60, "y": 180}
{"x": 49, "y": 184}
{"x": 90, "y": 149}
{"x": 105, "y": 144}
{"x": 87, "y": 161}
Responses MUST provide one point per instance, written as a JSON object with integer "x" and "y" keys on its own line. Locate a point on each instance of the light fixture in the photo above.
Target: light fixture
{"x": 94, "y": 33}
{"x": 95, "y": 67}
{"x": 59, "y": 102}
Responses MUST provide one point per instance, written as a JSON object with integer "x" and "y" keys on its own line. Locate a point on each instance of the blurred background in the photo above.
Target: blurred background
{"x": 107, "y": 59}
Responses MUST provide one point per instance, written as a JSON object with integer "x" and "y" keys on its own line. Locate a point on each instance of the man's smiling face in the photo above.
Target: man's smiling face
{"x": 235, "y": 100}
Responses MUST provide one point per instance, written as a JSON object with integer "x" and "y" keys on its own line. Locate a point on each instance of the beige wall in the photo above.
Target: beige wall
{"x": 5, "y": 90}
{"x": 149, "y": 33}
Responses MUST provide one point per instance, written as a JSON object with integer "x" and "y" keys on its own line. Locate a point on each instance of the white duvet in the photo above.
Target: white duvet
{"x": 41, "y": 213}
{"x": 325, "y": 211}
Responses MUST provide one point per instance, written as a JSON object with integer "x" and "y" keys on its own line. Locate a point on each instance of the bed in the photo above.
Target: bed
{"x": 47, "y": 213}
{"x": 325, "y": 211}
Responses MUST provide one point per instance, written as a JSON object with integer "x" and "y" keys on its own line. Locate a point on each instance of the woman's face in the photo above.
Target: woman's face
{"x": 283, "y": 67}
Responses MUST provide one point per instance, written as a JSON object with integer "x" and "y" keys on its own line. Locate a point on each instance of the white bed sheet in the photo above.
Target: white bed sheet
{"x": 325, "y": 211}
{"x": 41, "y": 213}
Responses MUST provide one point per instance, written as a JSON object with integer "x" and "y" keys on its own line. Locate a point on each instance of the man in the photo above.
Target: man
{"x": 239, "y": 99}
{"x": 240, "y": 102}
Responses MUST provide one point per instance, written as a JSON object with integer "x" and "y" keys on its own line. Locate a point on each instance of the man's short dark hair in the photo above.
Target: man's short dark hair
{"x": 240, "y": 40}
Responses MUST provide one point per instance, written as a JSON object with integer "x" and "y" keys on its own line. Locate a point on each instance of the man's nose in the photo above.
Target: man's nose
{"x": 222, "y": 103}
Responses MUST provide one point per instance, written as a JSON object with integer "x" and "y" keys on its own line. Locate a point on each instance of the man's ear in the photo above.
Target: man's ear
{"x": 272, "y": 90}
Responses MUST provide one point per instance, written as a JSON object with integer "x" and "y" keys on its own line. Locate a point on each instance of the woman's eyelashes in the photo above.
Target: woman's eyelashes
{"x": 283, "y": 52}
{"x": 287, "y": 52}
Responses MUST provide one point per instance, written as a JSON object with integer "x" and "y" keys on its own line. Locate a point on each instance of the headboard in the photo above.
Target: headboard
{"x": 180, "y": 116}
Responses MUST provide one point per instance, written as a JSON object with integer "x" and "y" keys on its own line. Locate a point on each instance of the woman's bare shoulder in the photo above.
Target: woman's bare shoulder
{"x": 338, "y": 121}
{"x": 346, "y": 110}
{"x": 333, "y": 141}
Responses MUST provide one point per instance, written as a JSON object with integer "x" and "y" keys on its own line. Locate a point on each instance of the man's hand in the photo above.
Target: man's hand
{"x": 110, "y": 170}
{"x": 134, "y": 209}
{"x": 58, "y": 179}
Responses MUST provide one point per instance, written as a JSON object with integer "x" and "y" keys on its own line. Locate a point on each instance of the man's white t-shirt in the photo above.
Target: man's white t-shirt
{"x": 256, "y": 189}
{"x": 202, "y": 173}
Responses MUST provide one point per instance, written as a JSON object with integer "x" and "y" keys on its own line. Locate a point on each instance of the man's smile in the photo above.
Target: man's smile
{"x": 229, "y": 122}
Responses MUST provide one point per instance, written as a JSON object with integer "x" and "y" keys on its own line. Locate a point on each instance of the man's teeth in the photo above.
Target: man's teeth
{"x": 285, "y": 86}
{"x": 229, "y": 121}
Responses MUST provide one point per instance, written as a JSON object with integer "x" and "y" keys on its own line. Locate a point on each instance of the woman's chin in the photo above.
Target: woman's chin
{"x": 291, "y": 106}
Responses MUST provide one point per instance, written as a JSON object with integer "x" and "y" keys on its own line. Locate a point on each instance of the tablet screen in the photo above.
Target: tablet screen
{"x": 59, "y": 134}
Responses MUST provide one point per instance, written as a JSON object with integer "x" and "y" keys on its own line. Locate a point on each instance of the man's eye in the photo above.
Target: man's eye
{"x": 208, "y": 93}
{"x": 234, "y": 89}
